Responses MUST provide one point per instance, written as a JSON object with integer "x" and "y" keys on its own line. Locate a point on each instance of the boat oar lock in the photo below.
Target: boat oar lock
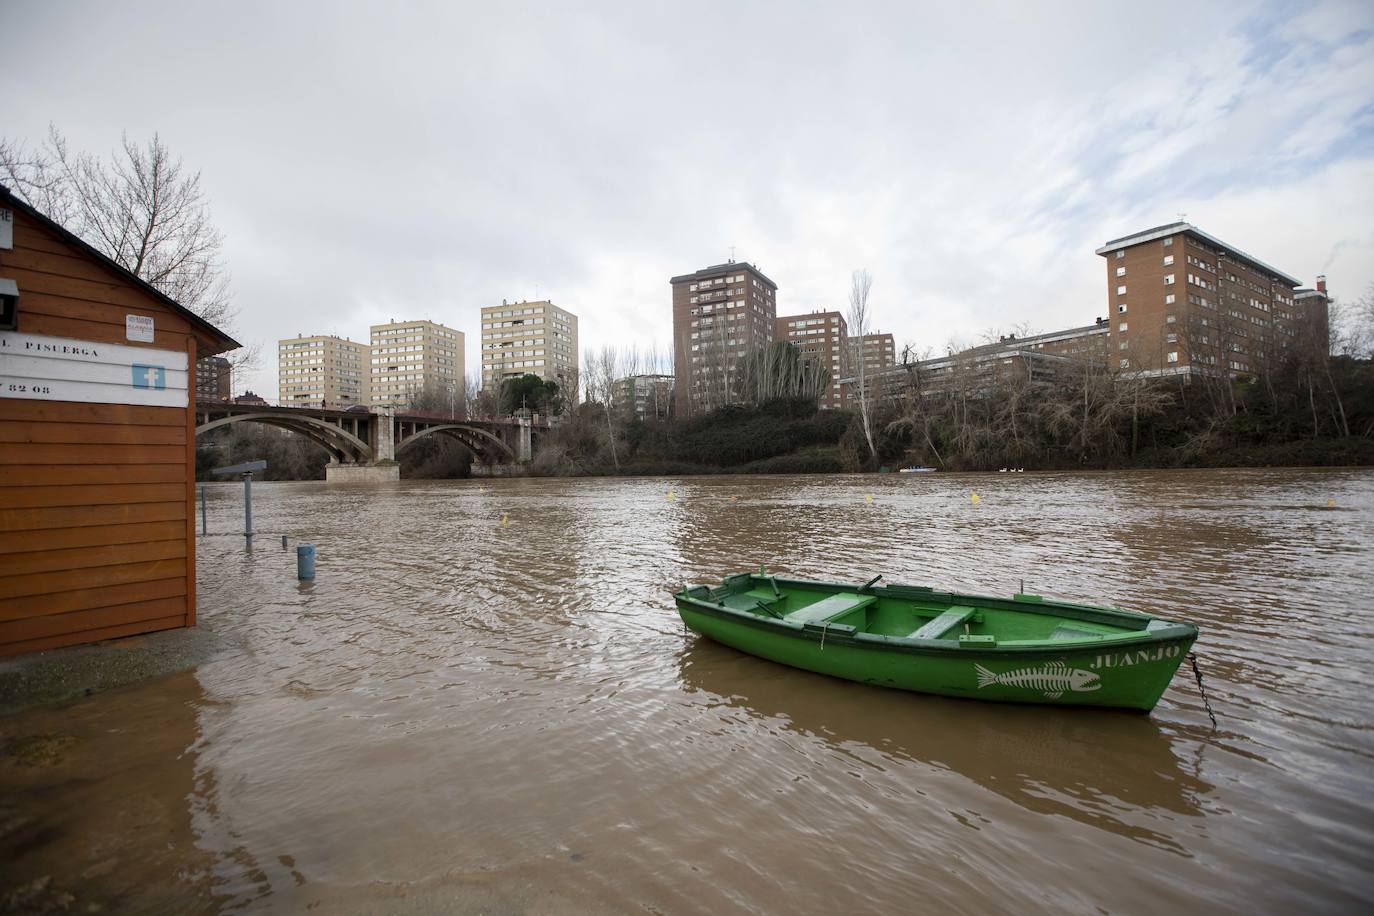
{"x": 869, "y": 584}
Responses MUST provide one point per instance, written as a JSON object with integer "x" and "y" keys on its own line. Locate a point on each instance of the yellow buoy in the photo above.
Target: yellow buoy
{"x": 1330, "y": 504}
{"x": 868, "y": 498}
{"x": 733, "y": 498}
{"x": 973, "y": 497}
{"x": 671, "y": 495}
{"x": 504, "y": 522}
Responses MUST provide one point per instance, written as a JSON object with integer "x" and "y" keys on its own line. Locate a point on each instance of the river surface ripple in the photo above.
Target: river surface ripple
{"x": 461, "y": 712}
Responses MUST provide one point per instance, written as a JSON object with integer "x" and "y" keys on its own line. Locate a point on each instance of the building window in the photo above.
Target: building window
{"x": 1168, "y": 279}
{"x": 1121, "y": 253}
{"x": 1121, "y": 271}
{"x": 1121, "y": 308}
{"x": 1169, "y": 299}
{"x": 1169, "y": 241}
{"x": 1121, "y": 290}
{"x": 1171, "y": 338}
{"x": 1121, "y": 327}
{"x": 1125, "y": 364}
{"x": 1170, "y": 319}
{"x": 1168, "y": 260}
{"x": 1123, "y": 345}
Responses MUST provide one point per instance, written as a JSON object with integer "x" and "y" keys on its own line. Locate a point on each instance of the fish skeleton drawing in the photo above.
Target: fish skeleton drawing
{"x": 1054, "y": 679}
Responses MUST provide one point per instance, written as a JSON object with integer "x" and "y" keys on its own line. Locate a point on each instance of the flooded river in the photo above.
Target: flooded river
{"x": 465, "y": 714}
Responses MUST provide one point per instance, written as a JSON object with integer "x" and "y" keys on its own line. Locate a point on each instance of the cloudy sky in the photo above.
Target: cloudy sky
{"x": 371, "y": 161}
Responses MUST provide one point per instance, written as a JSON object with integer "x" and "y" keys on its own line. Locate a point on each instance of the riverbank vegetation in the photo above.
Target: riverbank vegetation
{"x": 1309, "y": 409}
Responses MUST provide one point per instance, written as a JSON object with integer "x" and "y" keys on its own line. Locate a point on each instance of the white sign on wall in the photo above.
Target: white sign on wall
{"x": 139, "y": 328}
{"x": 35, "y": 367}
{"x": 6, "y": 229}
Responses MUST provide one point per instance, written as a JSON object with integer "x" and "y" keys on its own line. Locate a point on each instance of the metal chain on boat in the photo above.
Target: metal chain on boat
{"x": 1197, "y": 673}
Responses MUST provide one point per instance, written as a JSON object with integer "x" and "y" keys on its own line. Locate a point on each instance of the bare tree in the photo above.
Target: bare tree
{"x": 861, "y": 282}
{"x": 1352, "y": 326}
{"x": 474, "y": 398}
{"x": 780, "y": 370}
{"x": 142, "y": 209}
{"x": 600, "y": 379}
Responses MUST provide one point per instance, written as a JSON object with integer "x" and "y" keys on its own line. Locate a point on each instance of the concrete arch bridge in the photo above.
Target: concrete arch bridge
{"x": 365, "y": 445}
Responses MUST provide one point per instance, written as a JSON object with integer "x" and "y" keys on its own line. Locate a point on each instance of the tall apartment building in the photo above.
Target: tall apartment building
{"x": 1182, "y": 301}
{"x": 822, "y": 338}
{"x": 416, "y": 361}
{"x": 879, "y": 352}
{"x": 213, "y": 378}
{"x": 720, "y": 313}
{"x": 321, "y": 371}
{"x": 529, "y": 338}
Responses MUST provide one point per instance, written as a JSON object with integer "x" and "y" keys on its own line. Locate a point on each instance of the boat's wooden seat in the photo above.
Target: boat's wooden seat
{"x": 1063, "y": 632}
{"x": 937, "y": 628}
{"x": 832, "y": 607}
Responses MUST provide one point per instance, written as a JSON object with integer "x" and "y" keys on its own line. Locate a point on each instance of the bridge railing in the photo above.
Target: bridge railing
{"x": 399, "y": 412}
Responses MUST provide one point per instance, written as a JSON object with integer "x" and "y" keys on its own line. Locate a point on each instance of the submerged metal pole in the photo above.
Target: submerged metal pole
{"x": 203, "y": 528}
{"x": 246, "y": 470}
{"x": 248, "y": 506}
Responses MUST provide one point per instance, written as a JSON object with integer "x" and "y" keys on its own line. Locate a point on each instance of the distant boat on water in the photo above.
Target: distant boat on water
{"x": 917, "y": 470}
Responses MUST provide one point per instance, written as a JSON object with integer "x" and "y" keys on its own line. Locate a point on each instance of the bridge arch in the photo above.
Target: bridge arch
{"x": 343, "y": 446}
{"x": 475, "y": 439}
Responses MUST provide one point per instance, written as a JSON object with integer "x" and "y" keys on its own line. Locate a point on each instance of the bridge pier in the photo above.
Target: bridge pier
{"x": 384, "y": 434}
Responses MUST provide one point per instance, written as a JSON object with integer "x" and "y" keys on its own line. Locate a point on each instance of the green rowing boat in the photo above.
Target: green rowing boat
{"x": 1023, "y": 649}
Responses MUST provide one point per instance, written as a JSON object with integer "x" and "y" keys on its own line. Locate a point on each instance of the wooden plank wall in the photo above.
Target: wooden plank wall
{"x": 97, "y": 521}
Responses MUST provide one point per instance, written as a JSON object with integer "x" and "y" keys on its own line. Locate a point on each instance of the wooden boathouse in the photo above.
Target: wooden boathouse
{"x": 97, "y": 442}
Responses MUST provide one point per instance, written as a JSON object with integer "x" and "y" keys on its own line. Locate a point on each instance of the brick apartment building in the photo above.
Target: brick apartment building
{"x": 1181, "y": 301}
{"x": 529, "y": 338}
{"x": 213, "y": 378}
{"x": 1087, "y": 344}
{"x": 720, "y": 313}
{"x": 1034, "y": 357}
{"x": 409, "y": 359}
{"x": 879, "y": 352}
{"x": 321, "y": 370}
{"x": 822, "y": 338}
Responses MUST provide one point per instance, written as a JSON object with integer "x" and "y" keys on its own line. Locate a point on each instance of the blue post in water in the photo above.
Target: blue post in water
{"x": 305, "y": 561}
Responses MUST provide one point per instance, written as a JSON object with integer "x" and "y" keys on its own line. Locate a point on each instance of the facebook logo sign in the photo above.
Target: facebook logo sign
{"x": 154, "y": 377}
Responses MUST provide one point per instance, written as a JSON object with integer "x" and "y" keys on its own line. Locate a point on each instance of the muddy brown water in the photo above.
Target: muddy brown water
{"x": 460, "y": 715}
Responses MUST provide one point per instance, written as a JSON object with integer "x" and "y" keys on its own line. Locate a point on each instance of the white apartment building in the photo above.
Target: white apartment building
{"x": 322, "y": 371}
{"x": 529, "y": 338}
{"x": 412, "y": 360}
